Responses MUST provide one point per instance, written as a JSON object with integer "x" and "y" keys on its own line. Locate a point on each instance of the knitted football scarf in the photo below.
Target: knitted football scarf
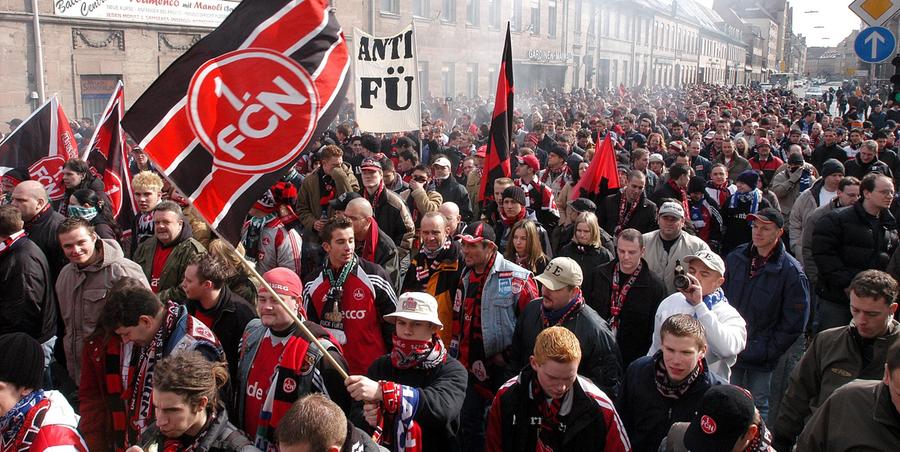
{"x": 664, "y": 384}
{"x": 278, "y": 399}
{"x": 7, "y": 243}
{"x": 399, "y": 405}
{"x": 12, "y": 421}
{"x": 141, "y": 404}
{"x": 409, "y": 354}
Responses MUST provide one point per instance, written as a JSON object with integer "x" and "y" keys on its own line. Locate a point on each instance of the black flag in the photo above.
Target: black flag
{"x": 496, "y": 161}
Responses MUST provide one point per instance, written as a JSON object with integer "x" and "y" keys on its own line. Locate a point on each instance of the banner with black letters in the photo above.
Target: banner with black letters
{"x": 386, "y": 80}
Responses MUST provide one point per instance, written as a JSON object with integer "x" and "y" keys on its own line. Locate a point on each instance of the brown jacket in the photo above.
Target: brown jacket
{"x": 308, "y": 208}
{"x": 859, "y": 416}
{"x": 82, "y": 294}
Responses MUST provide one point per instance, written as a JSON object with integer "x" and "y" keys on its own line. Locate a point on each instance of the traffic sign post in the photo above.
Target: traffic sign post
{"x": 874, "y": 44}
{"x": 875, "y": 12}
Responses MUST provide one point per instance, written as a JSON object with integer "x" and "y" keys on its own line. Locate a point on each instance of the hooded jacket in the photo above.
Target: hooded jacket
{"x": 81, "y": 292}
{"x": 804, "y": 205}
{"x": 186, "y": 247}
{"x": 661, "y": 263}
{"x": 786, "y": 185}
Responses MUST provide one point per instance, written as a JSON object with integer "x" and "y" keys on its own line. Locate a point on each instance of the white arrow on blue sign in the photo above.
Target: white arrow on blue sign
{"x": 874, "y": 44}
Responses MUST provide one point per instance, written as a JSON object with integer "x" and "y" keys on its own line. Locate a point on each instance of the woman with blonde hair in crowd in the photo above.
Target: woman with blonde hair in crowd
{"x": 524, "y": 247}
{"x": 586, "y": 246}
{"x": 238, "y": 280}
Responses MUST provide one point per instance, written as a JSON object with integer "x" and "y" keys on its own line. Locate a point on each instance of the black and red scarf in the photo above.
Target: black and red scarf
{"x": 374, "y": 198}
{"x": 682, "y": 194}
{"x": 140, "y": 407}
{"x": 619, "y": 293}
{"x": 371, "y": 243}
{"x": 471, "y": 297}
{"x": 112, "y": 369}
{"x": 8, "y": 242}
{"x": 554, "y": 318}
{"x": 510, "y": 222}
{"x": 664, "y": 384}
{"x": 413, "y": 354}
{"x": 326, "y": 189}
{"x": 625, "y": 212}
{"x": 548, "y": 408}
{"x": 37, "y": 216}
{"x": 190, "y": 444}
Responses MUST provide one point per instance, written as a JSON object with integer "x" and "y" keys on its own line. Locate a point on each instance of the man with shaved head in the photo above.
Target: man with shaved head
{"x": 41, "y": 221}
{"x": 372, "y": 243}
{"x": 452, "y": 218}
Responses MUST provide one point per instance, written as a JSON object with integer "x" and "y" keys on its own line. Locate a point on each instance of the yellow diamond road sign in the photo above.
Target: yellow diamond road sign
{"x": 875, "y": 12}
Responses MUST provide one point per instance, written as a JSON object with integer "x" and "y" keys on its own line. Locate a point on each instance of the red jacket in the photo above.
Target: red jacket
{"x": 49, "y": 424}
{"x": 102, "y": 409}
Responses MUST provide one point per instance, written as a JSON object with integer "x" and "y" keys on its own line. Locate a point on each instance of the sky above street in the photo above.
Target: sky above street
{"x": 834, "y": 19}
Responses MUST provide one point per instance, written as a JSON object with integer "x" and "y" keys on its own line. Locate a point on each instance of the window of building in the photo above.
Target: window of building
{"x": 447, "y": 79}
{"x": 578, "y": 12}
{"x": 494, "y": 13}
{"x": 551, "y": 18}
{"x": 421, "y": 8}
{"x": 472, "y": 80}
{"x": 535, "y": 17}
{"x": 448, "y": 11}
{"x": 517, "y": 15}
{"x": 472, "y": 12}
{"x": 424, "y": 91}
{"x": 390, "y": 6}
{"x": 95, "y": 93}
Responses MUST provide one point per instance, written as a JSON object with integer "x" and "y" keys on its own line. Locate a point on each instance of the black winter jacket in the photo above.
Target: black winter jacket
{"x": 441, "y": 394}
{"x": 648, "y": 415}
{"x": 42, "y": 231}
{"x": 27, "y": 299}
{"x": 635, "y": 333}
{"x": 643, "y": 219}
{"x": 737, "y": 227}
{"x": 588, "y": 257}
{"x": 846, "y": 243}
{"x": 600, "y": 359}
{"x": 230, "y": 316}
{"x": 453, "y": 191}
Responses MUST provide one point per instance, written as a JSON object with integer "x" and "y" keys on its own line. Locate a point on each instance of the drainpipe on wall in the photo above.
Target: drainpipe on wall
{"x": 38, "y": 52}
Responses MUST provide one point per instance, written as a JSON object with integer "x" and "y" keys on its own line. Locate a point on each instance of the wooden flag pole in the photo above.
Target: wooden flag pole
{"x": 252, "y": 270}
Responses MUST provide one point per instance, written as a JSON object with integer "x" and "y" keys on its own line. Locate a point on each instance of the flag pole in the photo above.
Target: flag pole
{"x": 255, "y": 275}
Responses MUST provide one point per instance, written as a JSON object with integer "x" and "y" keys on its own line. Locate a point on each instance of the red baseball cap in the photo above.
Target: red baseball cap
{"x": 531, "y": 161}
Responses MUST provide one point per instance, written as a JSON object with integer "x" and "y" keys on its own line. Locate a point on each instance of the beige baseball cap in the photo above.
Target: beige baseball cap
{"x": 416, "y": 306}
{"x": 709, "y": 259}
{"x": 561, "y": 272}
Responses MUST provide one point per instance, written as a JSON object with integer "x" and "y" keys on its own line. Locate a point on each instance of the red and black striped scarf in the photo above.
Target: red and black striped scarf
{"x": 625, "y": 212}
{"x": 371, "y": 243}
{"x": 140, "y": 408}
{"x": 664, "y": 384}
{"x": 376, "y": 197}
{"x": 682, "y": 195}
{"x": 112, "y": 366}
{"x": 548, "y": 408}
{"x": 619, "y": 293}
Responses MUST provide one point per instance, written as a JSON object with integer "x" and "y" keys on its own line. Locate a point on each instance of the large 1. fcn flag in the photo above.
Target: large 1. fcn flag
{"x": 496, "y": 160}
{"x": 41, "y": 144}
{"x": 234, "y": 113}
{"x": 107, "y": 154}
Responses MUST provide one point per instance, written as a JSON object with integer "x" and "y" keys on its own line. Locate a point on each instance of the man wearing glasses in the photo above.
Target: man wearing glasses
{"x": 848, "y": 241}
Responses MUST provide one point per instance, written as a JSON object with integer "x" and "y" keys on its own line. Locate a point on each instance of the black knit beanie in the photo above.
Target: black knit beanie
{"x": 21, "y": 361}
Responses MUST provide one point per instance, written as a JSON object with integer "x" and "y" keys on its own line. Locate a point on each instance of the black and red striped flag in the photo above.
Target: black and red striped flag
{"x": 234, "y": 113}
{"x": 496, "y": 160}
{"x": 601, "y": 177}
{"x": 107, "y": 154}
{"x": 41, "y": 144}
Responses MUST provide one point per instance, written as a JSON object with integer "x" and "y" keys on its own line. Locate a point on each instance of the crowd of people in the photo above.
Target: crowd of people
{"x": 736, "y": 292}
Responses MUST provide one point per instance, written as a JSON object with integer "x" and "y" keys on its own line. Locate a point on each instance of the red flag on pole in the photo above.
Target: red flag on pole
{"x": 107, "y": 154}
{"x": 496, "y": 160}
{"x": 601, "y": 177}
{"x": 41, "y": 144}
{"x": 228, "y": 118}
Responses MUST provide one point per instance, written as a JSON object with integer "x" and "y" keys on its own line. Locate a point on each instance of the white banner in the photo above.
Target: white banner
{"x": 386, "y": 80}
{"x": 195, "y": 13}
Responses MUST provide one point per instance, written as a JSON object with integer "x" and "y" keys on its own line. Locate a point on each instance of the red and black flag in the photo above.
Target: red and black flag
{"x": 601, "y": 177}
{"x": 41, "y": 145}
{"x": 496, "y": 160}
{"x": 107, "y": 154}
{"x": 234, "y": 113}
